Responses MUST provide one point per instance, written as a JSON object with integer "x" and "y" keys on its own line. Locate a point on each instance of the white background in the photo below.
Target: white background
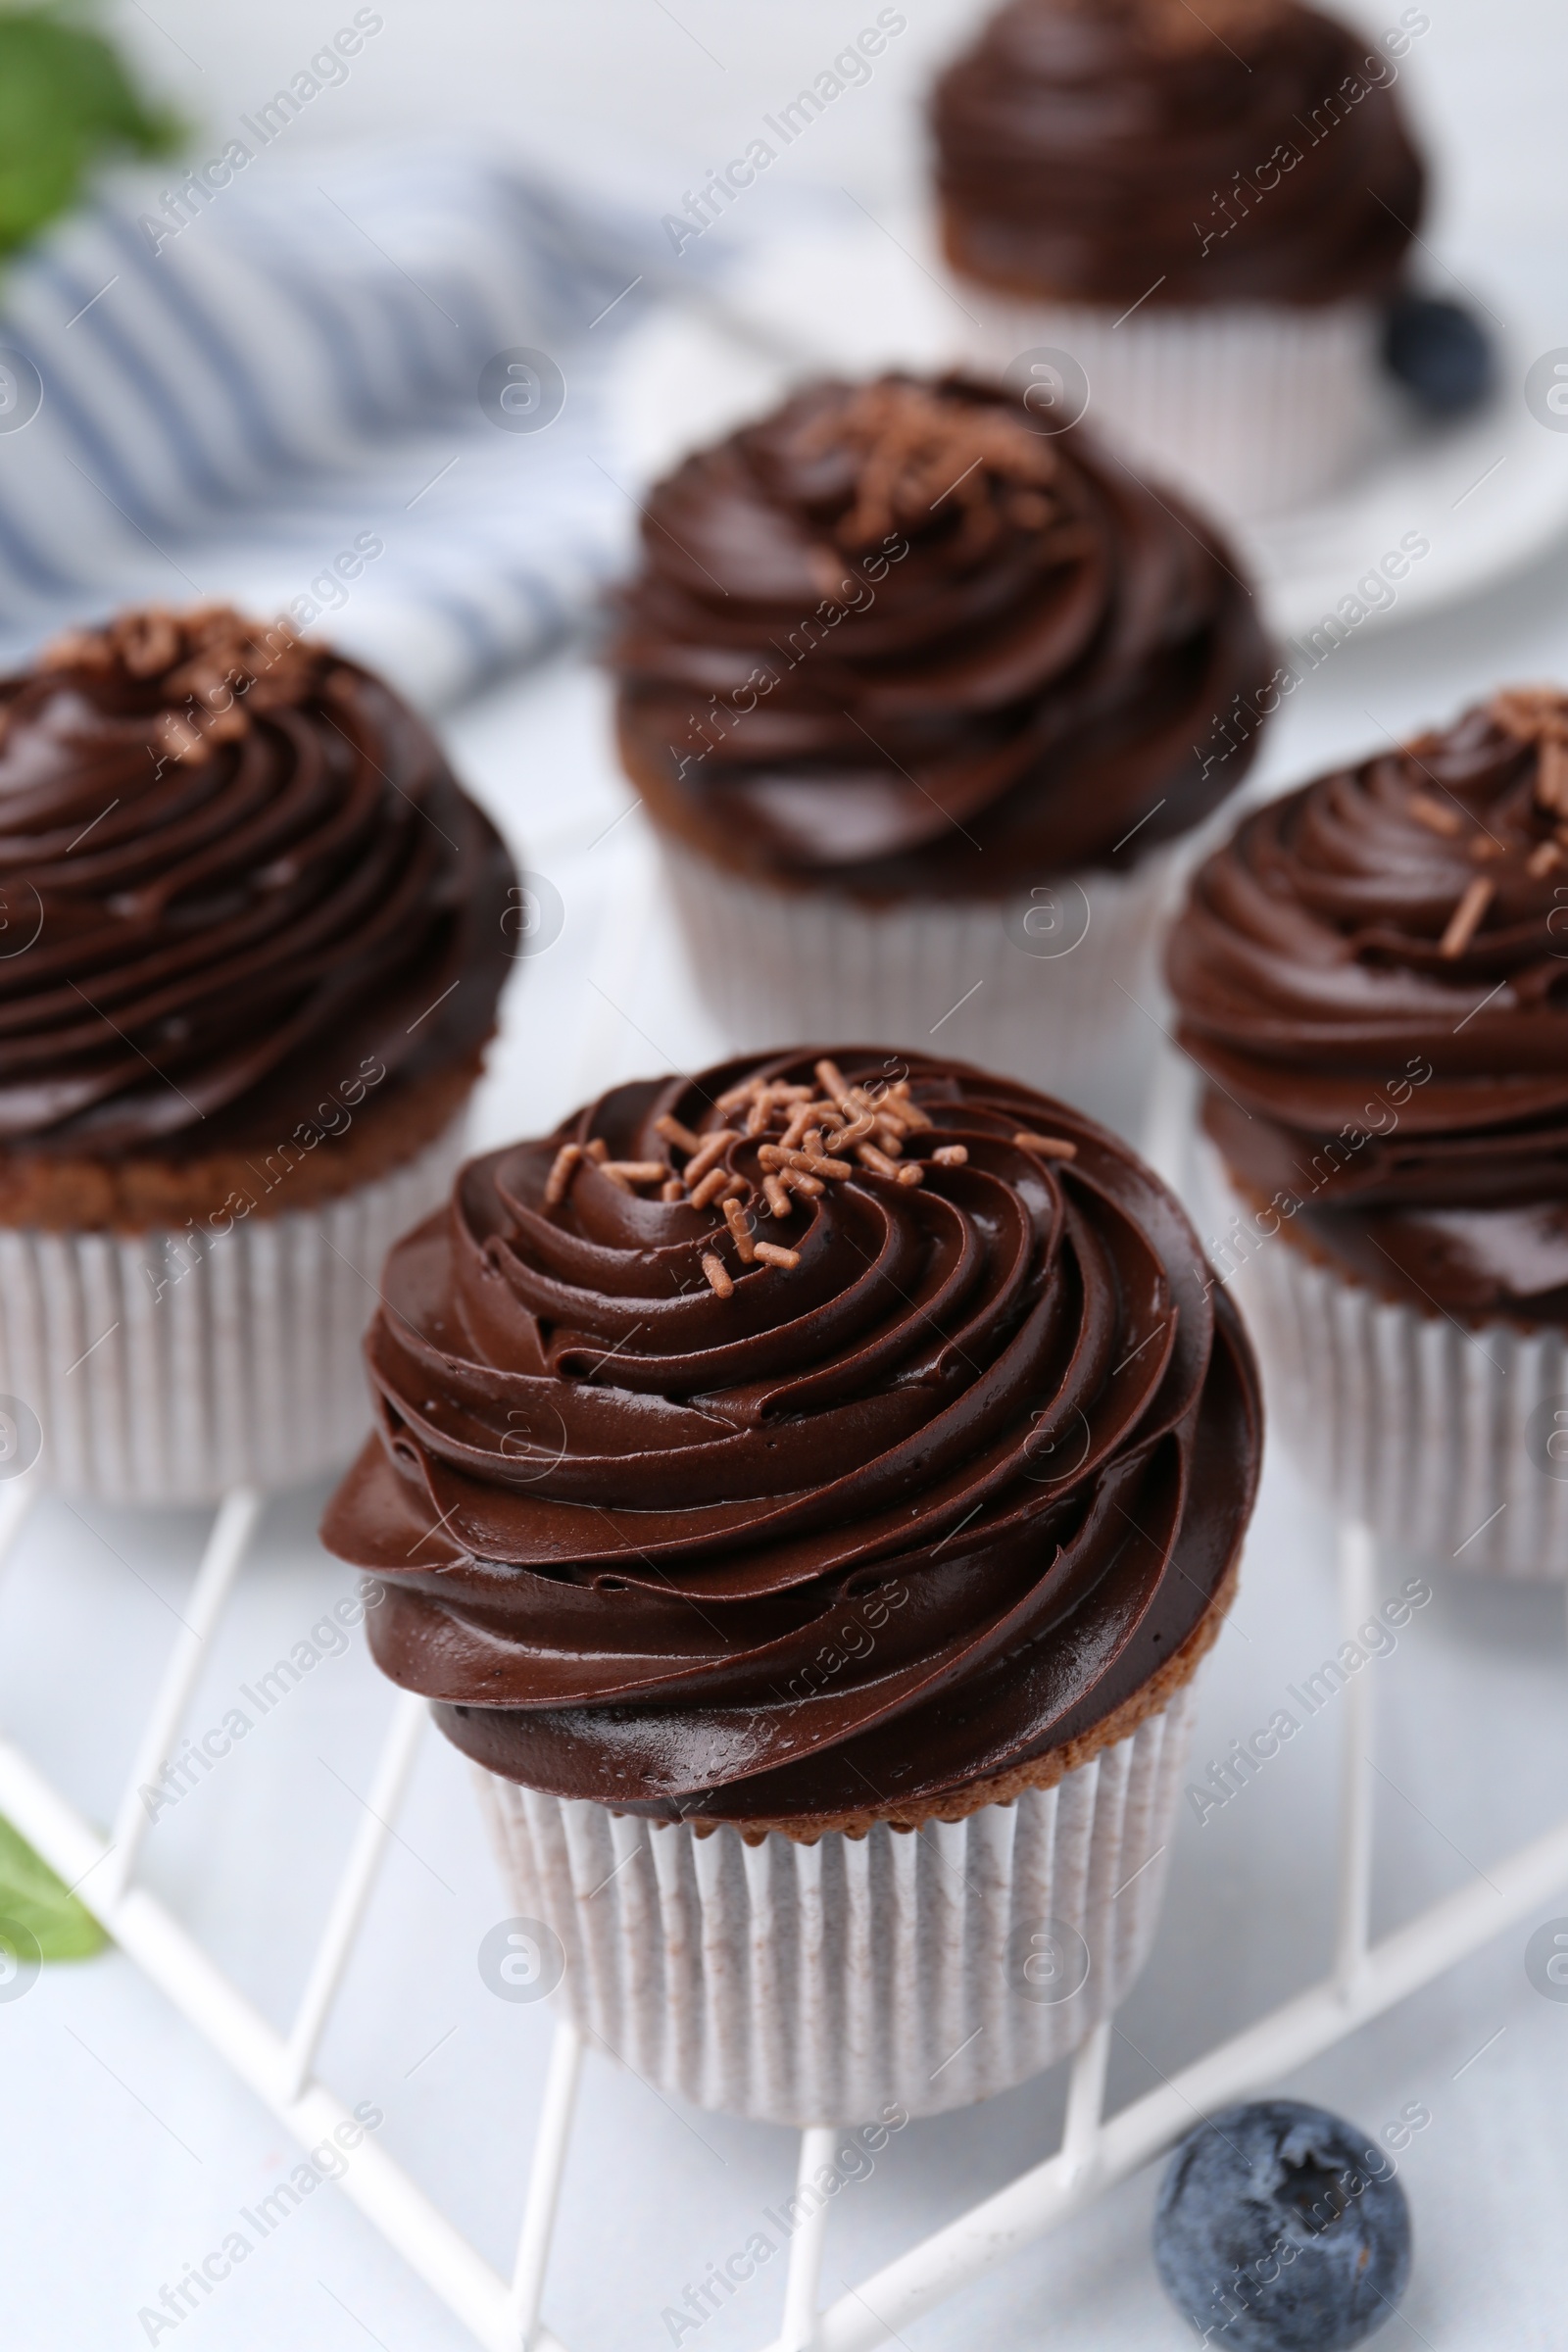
{"x": 128, "y": 2152}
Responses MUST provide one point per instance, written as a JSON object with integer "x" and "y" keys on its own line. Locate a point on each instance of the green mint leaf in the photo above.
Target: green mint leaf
{"x": 33, "y": 1898}
{"x": 67, "y": 104}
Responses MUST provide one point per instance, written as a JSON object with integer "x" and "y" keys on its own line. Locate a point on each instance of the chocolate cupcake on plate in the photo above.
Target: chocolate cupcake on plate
{"x": 252, "y": 951}
{"x": 922, "y": 704}
{"x": 1204, "y": 211}
{"x": 1373, "y": 974}
{"x": 806, "y": 1490}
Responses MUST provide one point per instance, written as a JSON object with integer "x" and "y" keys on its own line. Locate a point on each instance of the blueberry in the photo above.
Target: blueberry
{"x": 1279, "y": 2229}
{"x": 1440, "y": 353}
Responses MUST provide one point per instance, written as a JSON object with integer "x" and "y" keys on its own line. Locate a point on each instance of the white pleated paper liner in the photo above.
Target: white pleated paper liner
{"x": 823, "y": 1984}
{"x": 1250, "y": 408}
{"x": 1449, "y": 1441}
{"x": 166, "y": 1369}
{"x": 1058, "y": 986}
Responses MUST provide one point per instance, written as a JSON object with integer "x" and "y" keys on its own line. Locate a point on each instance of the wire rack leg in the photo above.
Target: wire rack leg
{"x": 1358, "y": 1560}
{"x": 355, "y": 1890}
{"x": 549, "y": 2146}
{"x": 800, "y": 2288}
{"x": 1086, "y": 2099}
{"x": 227, "y": 1547}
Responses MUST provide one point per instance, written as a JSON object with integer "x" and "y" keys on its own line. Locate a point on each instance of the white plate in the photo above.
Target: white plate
{"x": 1488, "y": 493}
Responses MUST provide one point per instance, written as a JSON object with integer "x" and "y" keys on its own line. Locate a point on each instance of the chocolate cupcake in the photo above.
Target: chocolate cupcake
{"x": 1204, "y": 211}
{"x": 1373, "y": 973}
{"x": 251, "y": 949}
{"x": 777, "y": 1461}
{"x": 917, "y": 698}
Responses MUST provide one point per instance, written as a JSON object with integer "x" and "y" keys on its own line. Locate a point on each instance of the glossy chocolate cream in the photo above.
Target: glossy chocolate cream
{"x": 1112, "y": 151}
{"x": 893, "y": 641}
{"x": 236, "y": 866}
{"x": 1373, "y": 973}
{"x": 803, "y": 1442}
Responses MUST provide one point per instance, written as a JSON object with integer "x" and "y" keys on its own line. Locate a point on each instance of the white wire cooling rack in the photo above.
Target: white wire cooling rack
{"x": 505, "y": 2314}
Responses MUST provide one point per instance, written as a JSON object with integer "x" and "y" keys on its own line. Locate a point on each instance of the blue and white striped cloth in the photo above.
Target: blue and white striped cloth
{"x": 293, "y": 379}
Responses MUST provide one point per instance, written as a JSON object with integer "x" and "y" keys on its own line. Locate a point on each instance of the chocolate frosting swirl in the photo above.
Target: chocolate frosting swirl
{"x": 1107, "y": 150}
{"x": 693, "y": 1533}
{"x": 894, "y": 640}
{"x": 233, "y": 865}
{"x": 1374, "y": 974}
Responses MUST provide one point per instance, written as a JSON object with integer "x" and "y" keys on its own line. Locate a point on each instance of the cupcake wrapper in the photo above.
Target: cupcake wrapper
{"x": 1255, "y": 408}
{"x": 1434, "y": 1436}
{"x": 778, "y": 967}
{"x": 820, "y": 1984}
{"x": 165, "y": 1370}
